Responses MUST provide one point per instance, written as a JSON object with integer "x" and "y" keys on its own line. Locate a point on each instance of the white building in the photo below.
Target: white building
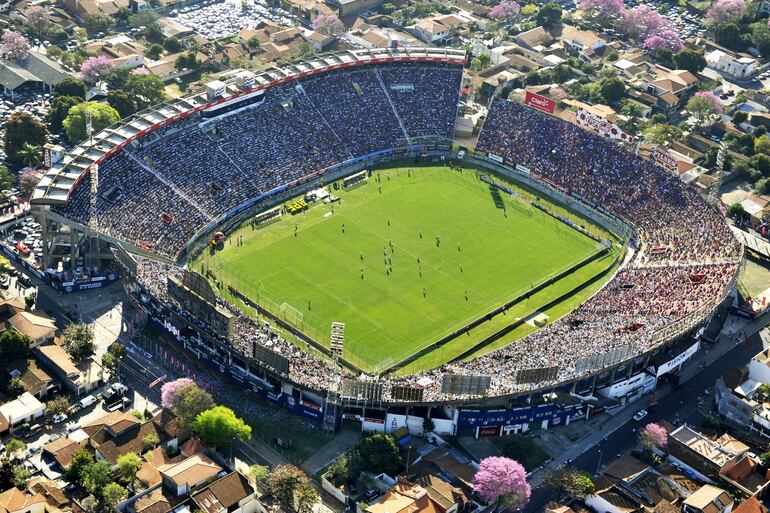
{"x": 741, "y": 66}
{"x": 24, "y": 408}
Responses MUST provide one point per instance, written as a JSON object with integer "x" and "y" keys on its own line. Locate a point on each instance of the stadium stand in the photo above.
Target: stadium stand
{"x": 685, "y": 256}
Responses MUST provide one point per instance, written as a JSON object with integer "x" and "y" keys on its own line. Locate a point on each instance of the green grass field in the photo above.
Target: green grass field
{"x": 402, "y": 261}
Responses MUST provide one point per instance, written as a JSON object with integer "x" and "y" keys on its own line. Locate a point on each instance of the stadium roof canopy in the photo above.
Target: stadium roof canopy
{"x": 57, "y": 184}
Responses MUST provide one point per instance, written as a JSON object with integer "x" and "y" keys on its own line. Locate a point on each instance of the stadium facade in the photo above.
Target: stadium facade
{"x": 149, "y": 193}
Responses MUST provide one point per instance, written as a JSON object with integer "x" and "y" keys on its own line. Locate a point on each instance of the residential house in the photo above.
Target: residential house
{"x": 747, "y": 475}
{"x": 79, "y": 377}
{"x": 39, "y": 327}
{"x": 565, "y": 40}
{"x": 708, "y": 499}
{"x": 308, "y": 10}
{"x": 193, "y": 472}
{"x": 348, "y": 7}
{"x": 447, "y": 498}
{"x": 751, "y": 505}
{"x": 627, "y": 68}
{"x": 405, "y": 497}
{"x": 61, "y": 451}
{"x": 82, "y": 9}
{"x": 671, "y": 87}
{"x": 734, "y": 65}
{"x": 118, "y": 433}
{"x": 36, "y": 380}
{"x": 24, "y": 501}
{"x": 173, "y": 28}
{"x": 54, "y": 495}
{"x": 438, "y": 30}
{"x": 123, "y": 50}
{"x": 701, "y": 453}
{"x": 230, "y": 494}
{"x": 25, "y": 408}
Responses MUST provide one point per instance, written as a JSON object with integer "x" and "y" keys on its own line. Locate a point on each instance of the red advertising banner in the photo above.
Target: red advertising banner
{"x": 539, "y": 102}
{"x": 664, "y": 159}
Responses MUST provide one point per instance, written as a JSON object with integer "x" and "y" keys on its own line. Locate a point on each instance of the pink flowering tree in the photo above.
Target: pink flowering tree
{"x": 668, "y": 39}
{"x": 642, "y": 22}
{"x": 653, "y": 436}
{"x": 14, "y": 45}
{"x": 327, "y": 24}
{"x": 502, "y": 481}
{"x": 505, "y": 10}
{"x": 602, "y": 9}
{"x": 170, "y": 389}
{"x": 95, "y": 68}
{"x": 39, "y": 18}
{"x": 28, "y": 180}
{"x": 557, "y": 93}
{"x": 725, "y": 11}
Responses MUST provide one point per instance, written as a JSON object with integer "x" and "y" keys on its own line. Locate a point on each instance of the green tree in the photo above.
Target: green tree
{"x": 95, "y": 477}
{"x": 729, "y": 35}
{"x": 147, "y": 90}
{"x": 172, "y": 45}
{"x": 154, "y": 34}
{"x": 112, "y": 495}
{"x": 60, "y": 107}
{"x": 762, "y": 144}
{"x": 691, "y": 60}
{"x": 150, "y": 442}
{"x": 70, "y": 86}
{"x": 57, "y": 406}
{"x": 81, "y": 460}
{"x": 7, "y": 181}
{"x": 30, "y": 155}
{"x": 13, "y": 345}
{"x": 187, "y": 61}
{"x": 376, "y": 452}
{"x": 765, "y": 459}
{"x": 611, "y": 89}
{"x": 22, "y": 128}
{"x": 549, "y": 15}
{"x": 191, "y": 401}
{"x": 339, "y": 471}
{"x": 79, "y": 341}
{"x": 15, "y": 387}
{"x": 122, "y": 102}
{"x": 98, "y": 22}
{"x": 388, "y": 8}
{"x": 737, "y": 211}
{"x": 21, "y": 477}
{"x": 128, "y": 466}
{"x": 258, "y": 475}
{"x": 13, "y": 446}
{"x": 661, "y": 134}
{"x": 123, "y": 14}
{"x": 740, "y": 117}
{"x": 701, "y": 108}
{"x": 219, "y": 425}
{"x": 760, "y": 37}
{"x": 102, "y": 116}
{"x": 113, "y": 357}
{"x": 570, "y": 481}
{"x": 117, "y": 78}
{"x": 291, "y": 487}
{"x": 155, "y": 51}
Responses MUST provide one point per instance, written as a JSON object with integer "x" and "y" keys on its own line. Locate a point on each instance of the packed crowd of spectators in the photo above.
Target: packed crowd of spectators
{"x": 684, "y": 261}
{"x": 180, "y": 177}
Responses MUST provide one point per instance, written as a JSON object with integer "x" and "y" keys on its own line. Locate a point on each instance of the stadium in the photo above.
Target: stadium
{"x": 316, "y": 232}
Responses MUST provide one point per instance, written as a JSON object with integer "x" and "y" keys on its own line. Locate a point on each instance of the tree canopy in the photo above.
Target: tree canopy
{"x": 219, "y": 425}
{"x": 102, "y": 116}
{"x": 79, "y": 341}
{"x": 376, "y": 452}
{"x": 22, "y": 128}
{"x": 70, "y": 86}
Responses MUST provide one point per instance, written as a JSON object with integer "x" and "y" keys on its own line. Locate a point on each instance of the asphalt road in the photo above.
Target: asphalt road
{"x": 681, "y": 403}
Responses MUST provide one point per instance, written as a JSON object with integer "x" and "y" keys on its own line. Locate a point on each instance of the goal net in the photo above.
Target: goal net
{"x": 290, "y": 314}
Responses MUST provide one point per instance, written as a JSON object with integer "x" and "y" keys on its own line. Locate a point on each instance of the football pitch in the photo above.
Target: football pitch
{"x": 403, "y": 259}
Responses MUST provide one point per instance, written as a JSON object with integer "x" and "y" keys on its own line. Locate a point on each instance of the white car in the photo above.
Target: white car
{"x": 640, "y": 415}
{"x": 59, "y": 418}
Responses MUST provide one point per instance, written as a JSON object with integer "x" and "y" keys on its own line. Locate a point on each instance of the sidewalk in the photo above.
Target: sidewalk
{"x": 582, "y": 436}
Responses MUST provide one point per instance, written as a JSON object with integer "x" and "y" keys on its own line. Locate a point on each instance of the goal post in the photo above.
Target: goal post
{"x": 290, "y": 314}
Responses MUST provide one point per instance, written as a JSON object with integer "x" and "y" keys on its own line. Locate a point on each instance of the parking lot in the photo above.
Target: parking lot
{"x": 215, "y": 20}
{"x": 30, "y": 102}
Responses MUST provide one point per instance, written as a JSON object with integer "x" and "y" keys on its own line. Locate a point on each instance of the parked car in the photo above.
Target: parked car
{"x": 87, "y": 401}
{"x": 640, "y": 415}
{"x": 59, "y": 418}
{"x": 72, "y": 427}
